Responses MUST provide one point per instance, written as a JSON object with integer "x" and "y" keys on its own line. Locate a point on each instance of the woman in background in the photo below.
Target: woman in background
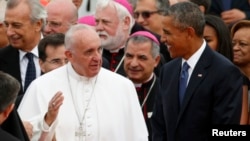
{"x": 241, "y": 54}
{"x": 217, "y": 35}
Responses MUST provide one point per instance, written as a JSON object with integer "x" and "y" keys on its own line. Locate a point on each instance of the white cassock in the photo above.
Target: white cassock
{"x": 106, "y": 104}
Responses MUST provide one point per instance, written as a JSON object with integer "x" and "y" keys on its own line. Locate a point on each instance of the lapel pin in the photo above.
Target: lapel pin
{"x": 199, "y": 75}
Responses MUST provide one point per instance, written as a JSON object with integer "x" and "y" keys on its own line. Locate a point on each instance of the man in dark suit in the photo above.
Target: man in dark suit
{"x": 8, "y": 93}
{"x": 24, "y": 34}
{"x": 199, "y": 88}
{"x": 230, "y": 11}
{"x": 24, "y": 20}
{"x": 148, "y": 17}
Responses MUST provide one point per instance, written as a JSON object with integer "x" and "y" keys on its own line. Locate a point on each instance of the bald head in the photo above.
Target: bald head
{"x": 83, "y": 34}
{"x": 61, "y": 15}
{"x": 66, "y": 7}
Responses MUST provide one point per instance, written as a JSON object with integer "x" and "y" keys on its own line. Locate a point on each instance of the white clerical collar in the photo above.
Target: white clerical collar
{"x": 78, "y": 77}
{"x": 140, "y": 84}
{"x": 116, "y": 50}
{"x": 137, "y": 85}
{"x": 152, "y": 75}
{"x": 192, "y": 61}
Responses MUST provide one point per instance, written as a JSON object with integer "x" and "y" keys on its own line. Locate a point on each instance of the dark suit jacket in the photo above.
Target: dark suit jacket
{"x": 14, "y": 126}
{"x": 4, "y": 136}
{"x": 243, "y": 5}
{"x": 9, "y": 63}
{"x": 213, "y": 96}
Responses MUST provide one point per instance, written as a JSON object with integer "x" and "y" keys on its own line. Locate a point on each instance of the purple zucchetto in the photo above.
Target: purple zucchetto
{"x": 88, "y": 20}
{"x": 146, "y": 34}
{"x": 126, "y": 4}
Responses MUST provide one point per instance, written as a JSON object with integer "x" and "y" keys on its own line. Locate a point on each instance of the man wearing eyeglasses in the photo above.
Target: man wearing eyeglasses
{"x": 51, "y": 52}
{"x": 23, "y": 20}
{"x": 61, "y": 15}
{"x": 148, "y": 16}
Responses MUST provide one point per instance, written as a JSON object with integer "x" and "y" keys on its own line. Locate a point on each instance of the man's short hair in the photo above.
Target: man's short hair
{"x": 9, "y": 88}
{"x": 55, "y": 40}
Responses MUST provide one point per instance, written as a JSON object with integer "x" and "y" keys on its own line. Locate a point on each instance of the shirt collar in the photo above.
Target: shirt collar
{"x": 192, "y": 61}
{"x": 116, "y": 50}
{"x": 140, "y": 84}
{"x": 34, "y": 51}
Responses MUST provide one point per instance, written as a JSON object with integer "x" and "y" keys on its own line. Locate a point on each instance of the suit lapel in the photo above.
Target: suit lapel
{"x": 172, "y": 94}
{"x": 12, "y": 63}
{"x": 199, "y": 73}
{"x": 175, "y": 83}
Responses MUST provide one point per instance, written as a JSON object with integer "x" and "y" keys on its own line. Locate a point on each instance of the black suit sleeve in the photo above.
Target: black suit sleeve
{"x": 157, "y": 121}
{"x": 14, "y": 126}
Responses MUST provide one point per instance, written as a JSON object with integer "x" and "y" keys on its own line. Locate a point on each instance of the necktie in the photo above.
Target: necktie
{"x": 183, "y": 81}
{"x": 226, "y": 4}
{"x": 30, "y": 72}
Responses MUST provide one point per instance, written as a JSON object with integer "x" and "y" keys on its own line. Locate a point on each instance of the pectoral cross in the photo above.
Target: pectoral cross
{"x": 80, "y": 133}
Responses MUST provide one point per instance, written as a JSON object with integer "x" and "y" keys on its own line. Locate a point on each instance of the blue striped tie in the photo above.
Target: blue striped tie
{"x": 30, "y": 72}
{"x": 183, "y": 81}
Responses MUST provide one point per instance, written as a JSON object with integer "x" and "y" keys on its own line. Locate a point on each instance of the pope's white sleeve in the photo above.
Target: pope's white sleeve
{"x": 33, "y": 108}
{"x": 139, "y": 130}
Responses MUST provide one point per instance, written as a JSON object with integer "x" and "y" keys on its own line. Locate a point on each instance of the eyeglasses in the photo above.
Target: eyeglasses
{"x": 57, "y": 61}
{"x": 145, "y": 14}
{"x": 53, "y": 24}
